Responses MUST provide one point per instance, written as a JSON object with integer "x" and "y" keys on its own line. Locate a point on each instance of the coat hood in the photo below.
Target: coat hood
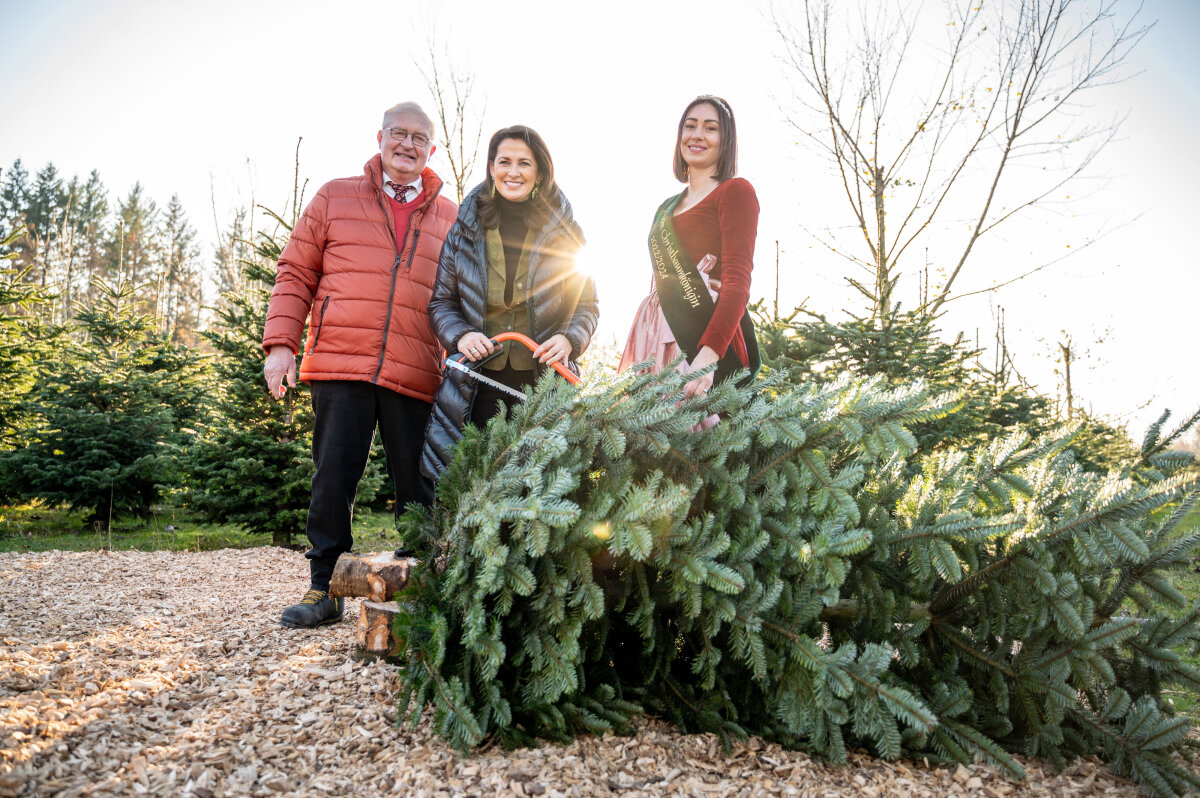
{"x": 561, "y": 221}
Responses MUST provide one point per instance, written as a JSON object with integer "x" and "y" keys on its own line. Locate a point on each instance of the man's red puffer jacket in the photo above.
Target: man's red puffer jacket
{"x": 367, "y": 285}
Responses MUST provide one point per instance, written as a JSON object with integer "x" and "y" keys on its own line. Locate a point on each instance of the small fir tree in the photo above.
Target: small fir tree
{"x": 112, "y": 414}
{"x": 253, "y": 464}
{"x": 26, "y": 339}
{"x": 903, "y": 347}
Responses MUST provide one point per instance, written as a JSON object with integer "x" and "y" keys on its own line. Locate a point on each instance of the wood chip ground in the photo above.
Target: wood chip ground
{"x": 167, "y": 673}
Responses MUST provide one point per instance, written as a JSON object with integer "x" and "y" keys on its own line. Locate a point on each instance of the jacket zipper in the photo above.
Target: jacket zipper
{"x": 320, "y": 324}
{"x": 399, "y": 248}
{"x": 387, "y": 323}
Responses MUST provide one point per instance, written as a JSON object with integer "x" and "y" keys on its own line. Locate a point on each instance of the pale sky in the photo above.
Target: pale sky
{"x": 207, "y": 100}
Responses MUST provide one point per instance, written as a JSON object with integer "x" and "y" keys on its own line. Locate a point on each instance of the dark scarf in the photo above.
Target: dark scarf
{"x": 514, "y": 226}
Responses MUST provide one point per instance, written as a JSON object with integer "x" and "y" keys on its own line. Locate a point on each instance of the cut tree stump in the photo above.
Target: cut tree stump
{"x": 374, "y": 578}
{"x": 375, "y": 636}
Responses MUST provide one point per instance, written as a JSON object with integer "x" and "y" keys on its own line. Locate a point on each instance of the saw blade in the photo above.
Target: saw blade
{"x": 454, "y": 364}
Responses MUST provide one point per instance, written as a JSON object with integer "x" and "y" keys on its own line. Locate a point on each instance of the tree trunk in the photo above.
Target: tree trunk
{"x": 883, "y": 282}
{"x": 375, "y": 577}
{"x": 1067, "y": 357}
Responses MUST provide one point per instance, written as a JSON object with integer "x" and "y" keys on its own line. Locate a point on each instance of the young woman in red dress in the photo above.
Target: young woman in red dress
{"x": 702, "y": 250}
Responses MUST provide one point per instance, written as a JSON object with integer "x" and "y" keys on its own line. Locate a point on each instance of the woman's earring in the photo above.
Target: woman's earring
{"x": 493, "y": 189}
{"x": 536, "y": 186}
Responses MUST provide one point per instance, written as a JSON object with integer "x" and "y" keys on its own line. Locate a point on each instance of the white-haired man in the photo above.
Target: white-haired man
{"x": 362, "y": 262}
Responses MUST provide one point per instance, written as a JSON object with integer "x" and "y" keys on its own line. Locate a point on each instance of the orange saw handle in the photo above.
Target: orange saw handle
{"x": 566, "y": 373}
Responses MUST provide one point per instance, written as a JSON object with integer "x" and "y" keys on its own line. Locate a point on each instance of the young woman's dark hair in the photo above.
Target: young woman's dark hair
{"x": 544, "y": 202}
{"x": 727, "y": 157}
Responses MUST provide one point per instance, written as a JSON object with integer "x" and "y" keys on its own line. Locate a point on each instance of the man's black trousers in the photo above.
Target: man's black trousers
{"x": 346, "y": 413}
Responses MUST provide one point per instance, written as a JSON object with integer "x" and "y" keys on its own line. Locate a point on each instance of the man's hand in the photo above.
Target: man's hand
{"x": 699, "y": 386}
{"x": 280, "y": 363}
{"x": 475, "y": 346}
{"x": 555, "y": 349}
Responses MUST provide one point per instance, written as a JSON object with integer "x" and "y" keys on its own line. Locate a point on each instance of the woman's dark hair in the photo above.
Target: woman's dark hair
{"x": 545, "y": 203}
{"x": 727, "y": 153}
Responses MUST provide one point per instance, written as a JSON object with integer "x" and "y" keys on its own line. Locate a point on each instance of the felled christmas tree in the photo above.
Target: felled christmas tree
{"x": 790, "y": 573}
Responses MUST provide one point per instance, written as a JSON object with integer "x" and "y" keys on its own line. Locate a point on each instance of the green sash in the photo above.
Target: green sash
{"x": 683, "y": 295}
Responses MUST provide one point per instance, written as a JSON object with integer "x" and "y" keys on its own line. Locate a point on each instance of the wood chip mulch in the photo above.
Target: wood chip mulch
{"x": 167, "y": 673}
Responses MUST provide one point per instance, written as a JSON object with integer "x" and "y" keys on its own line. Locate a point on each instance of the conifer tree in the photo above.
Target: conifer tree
{"x": 47, "y": 200}
{"x": 133, "y": 246}
{"x": 14, "y": 191}
{"x": 14, "y": 200}
{"x": 90, "y": 217}
{"x": 38, "y": 209}
{"x": 112, "y": 414}
{"x": 25, "y": 340}
{"x": 252, "y": 466}
{"x": 63, "y": 239}
{"x": 233, "y": 248}
{"x": 791, "y": 573}
{"x": 905, "y": 346}
{"x": 179, "y": 293}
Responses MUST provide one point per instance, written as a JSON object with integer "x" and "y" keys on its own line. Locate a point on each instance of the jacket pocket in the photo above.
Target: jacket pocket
{"x": 320, "y": 324}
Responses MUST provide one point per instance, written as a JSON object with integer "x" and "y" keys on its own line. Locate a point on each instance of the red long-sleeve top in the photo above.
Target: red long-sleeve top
{"x": 725, "y": 223}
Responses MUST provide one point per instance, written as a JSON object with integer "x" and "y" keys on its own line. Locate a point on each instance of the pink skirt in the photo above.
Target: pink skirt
{"x": 650, "y": 337}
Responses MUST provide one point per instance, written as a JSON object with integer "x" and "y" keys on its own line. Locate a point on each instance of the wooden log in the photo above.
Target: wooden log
{"x": 375, "y": 577}
{"x": 375, "y": 638}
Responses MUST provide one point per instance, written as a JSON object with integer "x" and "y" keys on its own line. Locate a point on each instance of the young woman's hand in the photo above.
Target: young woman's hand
{"x": 475, "y": 346}
{"x": 700, "y": 385}
{"x": 555, "y": 349}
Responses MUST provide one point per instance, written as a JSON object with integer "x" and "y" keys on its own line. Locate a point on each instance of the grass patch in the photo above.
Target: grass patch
{"x": 1187, "y": 581}
{"x": 1185, "y": 701}
{"x": 35, "y": 527}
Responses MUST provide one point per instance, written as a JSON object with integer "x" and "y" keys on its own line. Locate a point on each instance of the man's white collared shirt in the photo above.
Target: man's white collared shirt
{"x": 416, "y": 184}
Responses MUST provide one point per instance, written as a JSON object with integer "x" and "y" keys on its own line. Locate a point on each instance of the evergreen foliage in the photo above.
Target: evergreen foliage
{"x": 179, "y": 293}
{"x": 792, "y": 574}
{"x": 134, "y": 248}
{"x": 904, "y": 346}
{"x": 1099, "y": 446}
{"x": 14, "y": 199}
{"x": 25, "y": 341}
{"x": 72, "y": 240}
{"x": 112, "y": 413}
{"x": 253, "y": 464}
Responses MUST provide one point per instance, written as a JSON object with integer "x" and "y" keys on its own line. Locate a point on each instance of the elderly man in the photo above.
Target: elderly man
{"x": 362, "y": 260}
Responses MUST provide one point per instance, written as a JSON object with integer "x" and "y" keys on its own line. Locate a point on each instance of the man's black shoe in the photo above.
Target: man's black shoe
{"x": 315, "y": 609}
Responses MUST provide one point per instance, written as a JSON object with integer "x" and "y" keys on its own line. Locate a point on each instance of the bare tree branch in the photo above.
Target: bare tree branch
{"x": 458, "y": 107}
{"x": 1007, "y": 88}
{"x": 1047, "y": 264}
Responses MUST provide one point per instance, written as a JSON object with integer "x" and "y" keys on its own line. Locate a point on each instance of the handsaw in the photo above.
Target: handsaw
{"x": 475, "y": 375}
{"x": 455, "y": 362}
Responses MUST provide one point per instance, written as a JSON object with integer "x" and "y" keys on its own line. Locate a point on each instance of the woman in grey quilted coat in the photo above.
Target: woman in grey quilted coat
{"x": 507, "y": 265}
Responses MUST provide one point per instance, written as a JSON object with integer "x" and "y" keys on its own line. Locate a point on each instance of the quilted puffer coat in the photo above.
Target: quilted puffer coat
{"x": 367, "y": 285}
{"x": 559, "y": 299}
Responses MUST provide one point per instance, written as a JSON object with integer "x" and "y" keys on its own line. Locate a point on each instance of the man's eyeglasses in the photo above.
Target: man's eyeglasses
{"x": 419, "y": 140}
